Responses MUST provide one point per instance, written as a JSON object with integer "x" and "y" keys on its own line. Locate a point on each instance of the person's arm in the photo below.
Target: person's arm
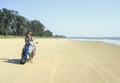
{"x": 25, "y": 40}
{"x": 32, "y": 38}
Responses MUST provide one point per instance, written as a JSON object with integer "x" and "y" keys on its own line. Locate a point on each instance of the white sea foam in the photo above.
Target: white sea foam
{"x": 108, "y": 41}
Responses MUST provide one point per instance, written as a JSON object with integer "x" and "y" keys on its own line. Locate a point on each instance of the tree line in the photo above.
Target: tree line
{"x": 11, "y": 23}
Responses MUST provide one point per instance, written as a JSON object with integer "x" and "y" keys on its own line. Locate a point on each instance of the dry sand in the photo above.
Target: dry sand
{"x": 60, "y": 61}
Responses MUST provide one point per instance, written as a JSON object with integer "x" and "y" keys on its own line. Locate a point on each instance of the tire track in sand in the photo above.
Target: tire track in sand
{"x": 56, "y": 62}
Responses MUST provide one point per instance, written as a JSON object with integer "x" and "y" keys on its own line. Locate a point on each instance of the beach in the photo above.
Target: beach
{"x": 60, "y": 61}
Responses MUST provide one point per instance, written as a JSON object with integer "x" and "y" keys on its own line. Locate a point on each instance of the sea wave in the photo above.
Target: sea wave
{"x": 108, "y": 41}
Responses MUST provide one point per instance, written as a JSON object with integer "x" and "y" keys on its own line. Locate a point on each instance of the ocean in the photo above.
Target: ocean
{"x": 108, "y": 40}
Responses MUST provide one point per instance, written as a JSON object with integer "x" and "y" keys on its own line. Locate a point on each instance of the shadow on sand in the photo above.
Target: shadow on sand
{"x": 13, "y": 61}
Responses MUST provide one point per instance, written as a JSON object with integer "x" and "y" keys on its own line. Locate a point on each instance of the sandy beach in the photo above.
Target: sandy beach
{"x": 60, "y": 61}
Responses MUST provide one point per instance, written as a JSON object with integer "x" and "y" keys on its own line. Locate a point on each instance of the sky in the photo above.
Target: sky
{"x": 72, "y": 18}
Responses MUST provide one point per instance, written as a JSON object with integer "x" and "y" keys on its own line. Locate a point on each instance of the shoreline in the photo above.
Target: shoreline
{"x": 107, "y": 41}
{"x": 115, "y": 41}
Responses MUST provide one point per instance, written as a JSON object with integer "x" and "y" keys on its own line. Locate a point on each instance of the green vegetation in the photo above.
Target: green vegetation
{"x": 13, "y": 24}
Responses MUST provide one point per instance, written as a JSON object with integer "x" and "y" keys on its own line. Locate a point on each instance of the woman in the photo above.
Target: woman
{"x": 28, "y": 37}
{"x": 30, "y": 41}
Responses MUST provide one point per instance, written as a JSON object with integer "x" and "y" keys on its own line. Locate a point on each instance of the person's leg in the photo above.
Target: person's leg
{"x": 33, "y": 52}
{"x": 22, "y": 53}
